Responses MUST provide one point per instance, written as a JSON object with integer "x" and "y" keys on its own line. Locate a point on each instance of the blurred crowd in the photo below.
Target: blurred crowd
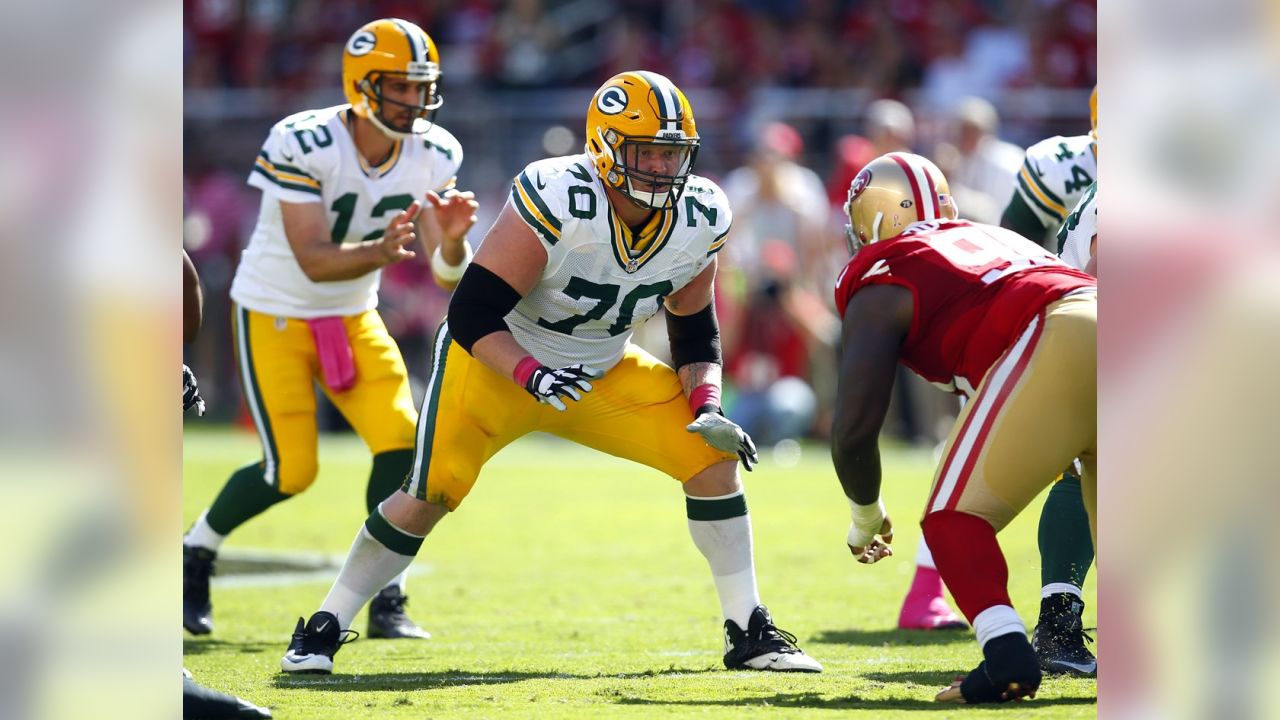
{"x": 921, "y": 69}
{"x": 882, "y": 45}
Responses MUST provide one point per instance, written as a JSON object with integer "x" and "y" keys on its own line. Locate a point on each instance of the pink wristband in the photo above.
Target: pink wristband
{"x": 524, "y": 369}
{"x": 706, "y": 394}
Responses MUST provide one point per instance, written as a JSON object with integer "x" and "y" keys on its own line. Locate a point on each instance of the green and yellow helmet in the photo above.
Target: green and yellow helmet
{"x": 391, "y": 47}
{"x": 638, "y": 108}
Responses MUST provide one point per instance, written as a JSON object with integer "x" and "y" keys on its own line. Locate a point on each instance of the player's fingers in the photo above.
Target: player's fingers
{"x": 555, "y": 402}
{"x": 747, "y": 460}
{"x": 434, "y": 200}
{"x": 408, "y": 214}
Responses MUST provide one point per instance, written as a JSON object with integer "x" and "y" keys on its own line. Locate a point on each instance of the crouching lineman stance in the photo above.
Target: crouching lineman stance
{"x": 990, "y": 315}
{"x": 345, "y": 191}
{"x": 588, "y": 247}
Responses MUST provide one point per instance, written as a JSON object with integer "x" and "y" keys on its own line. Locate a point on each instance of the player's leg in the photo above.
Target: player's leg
{"x": 1066, "y": 552}
{"x": 994, "y": 464}
{"x": 473, "y": 413}
{"x": 275, "y": 358}
{"x": 380, "y": 408}
{"x": 925, "y": 606}
{"x": 638, "y": 411}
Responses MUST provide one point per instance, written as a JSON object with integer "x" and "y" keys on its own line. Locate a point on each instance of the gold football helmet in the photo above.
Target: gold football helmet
{"x": 391, "y": 47}
{"x": 892, "y": 192}
{"x": 631, "y": 114}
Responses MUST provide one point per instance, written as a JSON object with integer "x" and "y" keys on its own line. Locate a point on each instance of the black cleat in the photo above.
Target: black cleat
{"x": 1059, "y": 638}
{"x": 387, "y": 619}
{"x": 201, "y": 702}
{"x": 314, "y": 645}
{"x": 1009, "y": 672}
{"x": 763, "y": 646}
{"x": 197, "y": 610}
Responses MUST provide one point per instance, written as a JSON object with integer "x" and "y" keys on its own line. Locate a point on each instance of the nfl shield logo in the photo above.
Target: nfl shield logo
{"x": 632, "y": 266}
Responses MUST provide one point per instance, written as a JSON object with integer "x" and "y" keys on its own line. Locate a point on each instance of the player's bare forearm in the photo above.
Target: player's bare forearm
{"x": 702, "y": 373}
{"x": 192, "y": 300}
{"x": 858, "y": 467}
{"x": 341, "y": 262}
{"x": 499, "y": 352}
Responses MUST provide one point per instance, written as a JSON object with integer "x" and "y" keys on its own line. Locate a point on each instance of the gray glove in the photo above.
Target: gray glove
{"x": 724, "y": 435}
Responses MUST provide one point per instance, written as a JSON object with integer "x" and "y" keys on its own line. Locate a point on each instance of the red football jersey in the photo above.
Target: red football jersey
{"x": 975, "y": 286}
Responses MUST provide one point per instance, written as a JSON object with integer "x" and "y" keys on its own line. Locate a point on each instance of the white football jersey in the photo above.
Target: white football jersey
{"x": 600, "y": 282}
{"x": 310, "y": 157}
{"x": 1054, "y": 177}
{"x": 1075, "y": 237}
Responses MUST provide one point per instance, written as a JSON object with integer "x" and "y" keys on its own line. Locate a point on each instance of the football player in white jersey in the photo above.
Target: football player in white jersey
{"x": 1053, "y": 178}
{"x": 537, "y": 339}
{"x": 346, "y": 190}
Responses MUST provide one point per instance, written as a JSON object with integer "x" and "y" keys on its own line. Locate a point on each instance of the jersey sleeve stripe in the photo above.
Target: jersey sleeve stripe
{"x": 276, "y": 174}
{"x": 281, "y": 167}
{"x": 539, "y": 204}
{"x": 521, "y": 206}
{"x": 1033, "y": 179}
{"x": 718, "y": 243}
{"x": 1056, "y": 211}
{"x": 286, "y": 184}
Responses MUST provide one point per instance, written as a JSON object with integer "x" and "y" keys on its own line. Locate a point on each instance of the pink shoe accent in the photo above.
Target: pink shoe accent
{"x": 925, "y": 608}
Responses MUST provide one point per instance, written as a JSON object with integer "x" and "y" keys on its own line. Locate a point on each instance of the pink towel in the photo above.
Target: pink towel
{"x": 337, "y": 362}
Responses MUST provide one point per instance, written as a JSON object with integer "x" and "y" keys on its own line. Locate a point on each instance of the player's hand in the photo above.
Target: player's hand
{"x": 550, "y": 386}
{"x": 869, "y": 542}
{"x": 191, "y": 392}
{"x": 401, "y": 231}
{"x": 454, "y": 213}
{"x": 724, "y": 435}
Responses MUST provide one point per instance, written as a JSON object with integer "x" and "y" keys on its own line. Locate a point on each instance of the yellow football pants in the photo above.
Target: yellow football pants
{"x": 279, "y": 369}
{"x": 637, "y": 411}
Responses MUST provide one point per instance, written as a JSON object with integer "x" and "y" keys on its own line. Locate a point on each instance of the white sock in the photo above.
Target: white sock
{"x": 1055, "y": 588}
{"x": 201, "y": 535}
{"x": 924, "y": 556}
{"x": 995, "y": 621}
{"x": 369, "y": 567}
{"x": 726, "y": 544}
{"x": 398, "y": 582}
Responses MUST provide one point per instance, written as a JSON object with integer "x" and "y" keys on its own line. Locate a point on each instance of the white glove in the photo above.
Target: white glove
{"x": 549, "y": 386}
{"x": 868, "y": 522}
{"x": 724, "y": 435}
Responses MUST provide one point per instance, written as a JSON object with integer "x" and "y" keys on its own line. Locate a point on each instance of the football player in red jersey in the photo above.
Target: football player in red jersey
{"x": 990, "y": 315}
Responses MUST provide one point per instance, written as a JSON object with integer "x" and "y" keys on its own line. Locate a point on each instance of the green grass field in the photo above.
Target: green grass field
{"x": 566, "y": 586}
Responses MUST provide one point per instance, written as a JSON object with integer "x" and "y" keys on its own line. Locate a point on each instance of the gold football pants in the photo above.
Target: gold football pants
{"x": 279, "y": 370}
{"x": 1035, "y": 411}
{"x": 637, "y": 411}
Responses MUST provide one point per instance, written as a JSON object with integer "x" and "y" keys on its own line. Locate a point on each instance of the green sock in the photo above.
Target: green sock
{"x": 1066, "y": 545}
{"x": 246, "y": 495}
{"x": 389, "y": 471}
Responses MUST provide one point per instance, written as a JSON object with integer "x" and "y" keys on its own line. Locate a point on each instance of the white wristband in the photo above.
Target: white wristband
{"x": 867, "y": 520}
{"x": 447, "y": 272}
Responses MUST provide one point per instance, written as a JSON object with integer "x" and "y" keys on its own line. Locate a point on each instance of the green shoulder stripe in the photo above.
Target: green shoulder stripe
{"x": 1034, "y": 174}
{"x": 529, "y": 190}
{"x": 1030, "y": 194}
{"x": 529, "y": 217}
{"x": 285, "y": 184}
{"x": 292, "y": 170}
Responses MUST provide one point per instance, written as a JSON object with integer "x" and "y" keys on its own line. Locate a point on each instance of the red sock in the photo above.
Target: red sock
{"x": 969, "y": 559}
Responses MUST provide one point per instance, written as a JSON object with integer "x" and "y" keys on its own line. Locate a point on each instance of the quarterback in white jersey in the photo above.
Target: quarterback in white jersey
{"x": 1053, "y": 178}
{"x": 346, "y": 191}
{"x": 588, "y": 247}
{"x": 1078, "y": 236}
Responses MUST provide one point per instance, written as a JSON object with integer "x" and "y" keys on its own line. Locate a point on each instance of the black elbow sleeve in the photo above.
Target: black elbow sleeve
{"x": 694, "y": 338}
{"x": 478, "y": 306}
